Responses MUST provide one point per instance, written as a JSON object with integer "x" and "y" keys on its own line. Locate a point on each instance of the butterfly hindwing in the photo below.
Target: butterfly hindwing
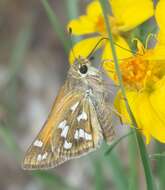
{"x": 72, "y": 129}
{"x": 79, "y": 132}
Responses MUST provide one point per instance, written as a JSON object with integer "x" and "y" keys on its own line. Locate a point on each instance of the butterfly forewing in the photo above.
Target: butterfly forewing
{"x": 72, "y": 129}
{"x": 79, "y": 121}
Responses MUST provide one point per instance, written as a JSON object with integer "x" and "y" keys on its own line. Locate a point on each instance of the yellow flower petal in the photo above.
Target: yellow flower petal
{"x": 132, "y": 12}
{"x": 160, "y": 10}
{"x": 157, "y": 100}
{"x": 149, "y": 119}
{"x": 120, "y": 106}
{"x": 85, "y": 24}
{"x": 156, "y": 54}
{"x": 83, "y": 48}
{"x": 149, "y": 112}
{"x": 132, "y": 97}
{"x": 81, "y": 26}
{"x": 94, "y": 10}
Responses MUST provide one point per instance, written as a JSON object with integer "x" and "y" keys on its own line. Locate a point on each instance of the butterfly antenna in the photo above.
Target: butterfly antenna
{"x": 131, "y": 51}
{"x": 95, "y": 47}
{"x": 71, "y": 43}
{"x": 104, "y": 38}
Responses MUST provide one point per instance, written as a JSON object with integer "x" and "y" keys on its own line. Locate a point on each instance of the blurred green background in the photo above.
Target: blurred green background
{"x": 33, "y": 65}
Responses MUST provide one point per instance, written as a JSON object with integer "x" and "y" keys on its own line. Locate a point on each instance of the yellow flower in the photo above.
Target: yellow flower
{"x": 144, "y": 81}
{"x": 126, "y": 15}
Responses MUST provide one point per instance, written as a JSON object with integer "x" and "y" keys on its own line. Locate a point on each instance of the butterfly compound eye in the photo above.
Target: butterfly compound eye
{"x": 83, "y": 69}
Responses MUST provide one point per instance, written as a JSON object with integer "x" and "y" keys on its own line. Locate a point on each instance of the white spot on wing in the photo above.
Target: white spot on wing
{"x": 38, "y": 143}
{"x": 39, "y": 157}
{"x": 89, "y": 92}
{"x": 44, "y": 156}
{"x": 82, "y": 116}
{"x": 73, "y": 108}
{"x": 67, "y": 145}
{"x": 76, "y": 135}
{"x": 64, "y": 128}
{"x": 65, "y": 131}
{"x": 81, "y": 133}
{"x": 88, "y": 136}
{"x": 62, "y": 124}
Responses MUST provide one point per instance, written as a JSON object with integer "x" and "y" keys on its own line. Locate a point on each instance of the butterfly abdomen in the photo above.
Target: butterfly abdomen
{"x": 104, "y": 115}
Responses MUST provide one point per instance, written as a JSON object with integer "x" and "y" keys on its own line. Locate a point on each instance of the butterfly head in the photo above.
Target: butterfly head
{"x": 82, "y": 68}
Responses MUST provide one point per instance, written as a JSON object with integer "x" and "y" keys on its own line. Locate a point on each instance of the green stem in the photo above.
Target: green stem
{"x": 141, "y": 145}
{"x": 133, "y": 166}
{"x": 72, "y": 9}
{"x": 116, "y": 142}
{"x": 56, "y": 25}
{"x": 99, "y": 175}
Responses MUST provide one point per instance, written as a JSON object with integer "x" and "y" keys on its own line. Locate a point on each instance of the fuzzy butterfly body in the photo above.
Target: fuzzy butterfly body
{"x": 78, "y": 123}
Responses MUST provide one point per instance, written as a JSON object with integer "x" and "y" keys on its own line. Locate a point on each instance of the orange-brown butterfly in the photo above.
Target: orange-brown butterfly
{"x": 79, "y": 121}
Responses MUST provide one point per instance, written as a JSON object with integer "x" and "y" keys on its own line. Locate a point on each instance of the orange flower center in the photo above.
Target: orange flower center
{"x": 139, "y": 73}
{"x": 134, "y": 72}
{"x": 101, "y": 27}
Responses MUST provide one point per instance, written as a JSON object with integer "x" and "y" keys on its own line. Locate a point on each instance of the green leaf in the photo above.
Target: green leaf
{"x": 18, "y": 52}
{"x": 117, "y": 171}
{"x": 8, "y": 140}
{"x": 116, "y": 142}
{"x": 98, "y": 175}
{"x": 158, "y": 155}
